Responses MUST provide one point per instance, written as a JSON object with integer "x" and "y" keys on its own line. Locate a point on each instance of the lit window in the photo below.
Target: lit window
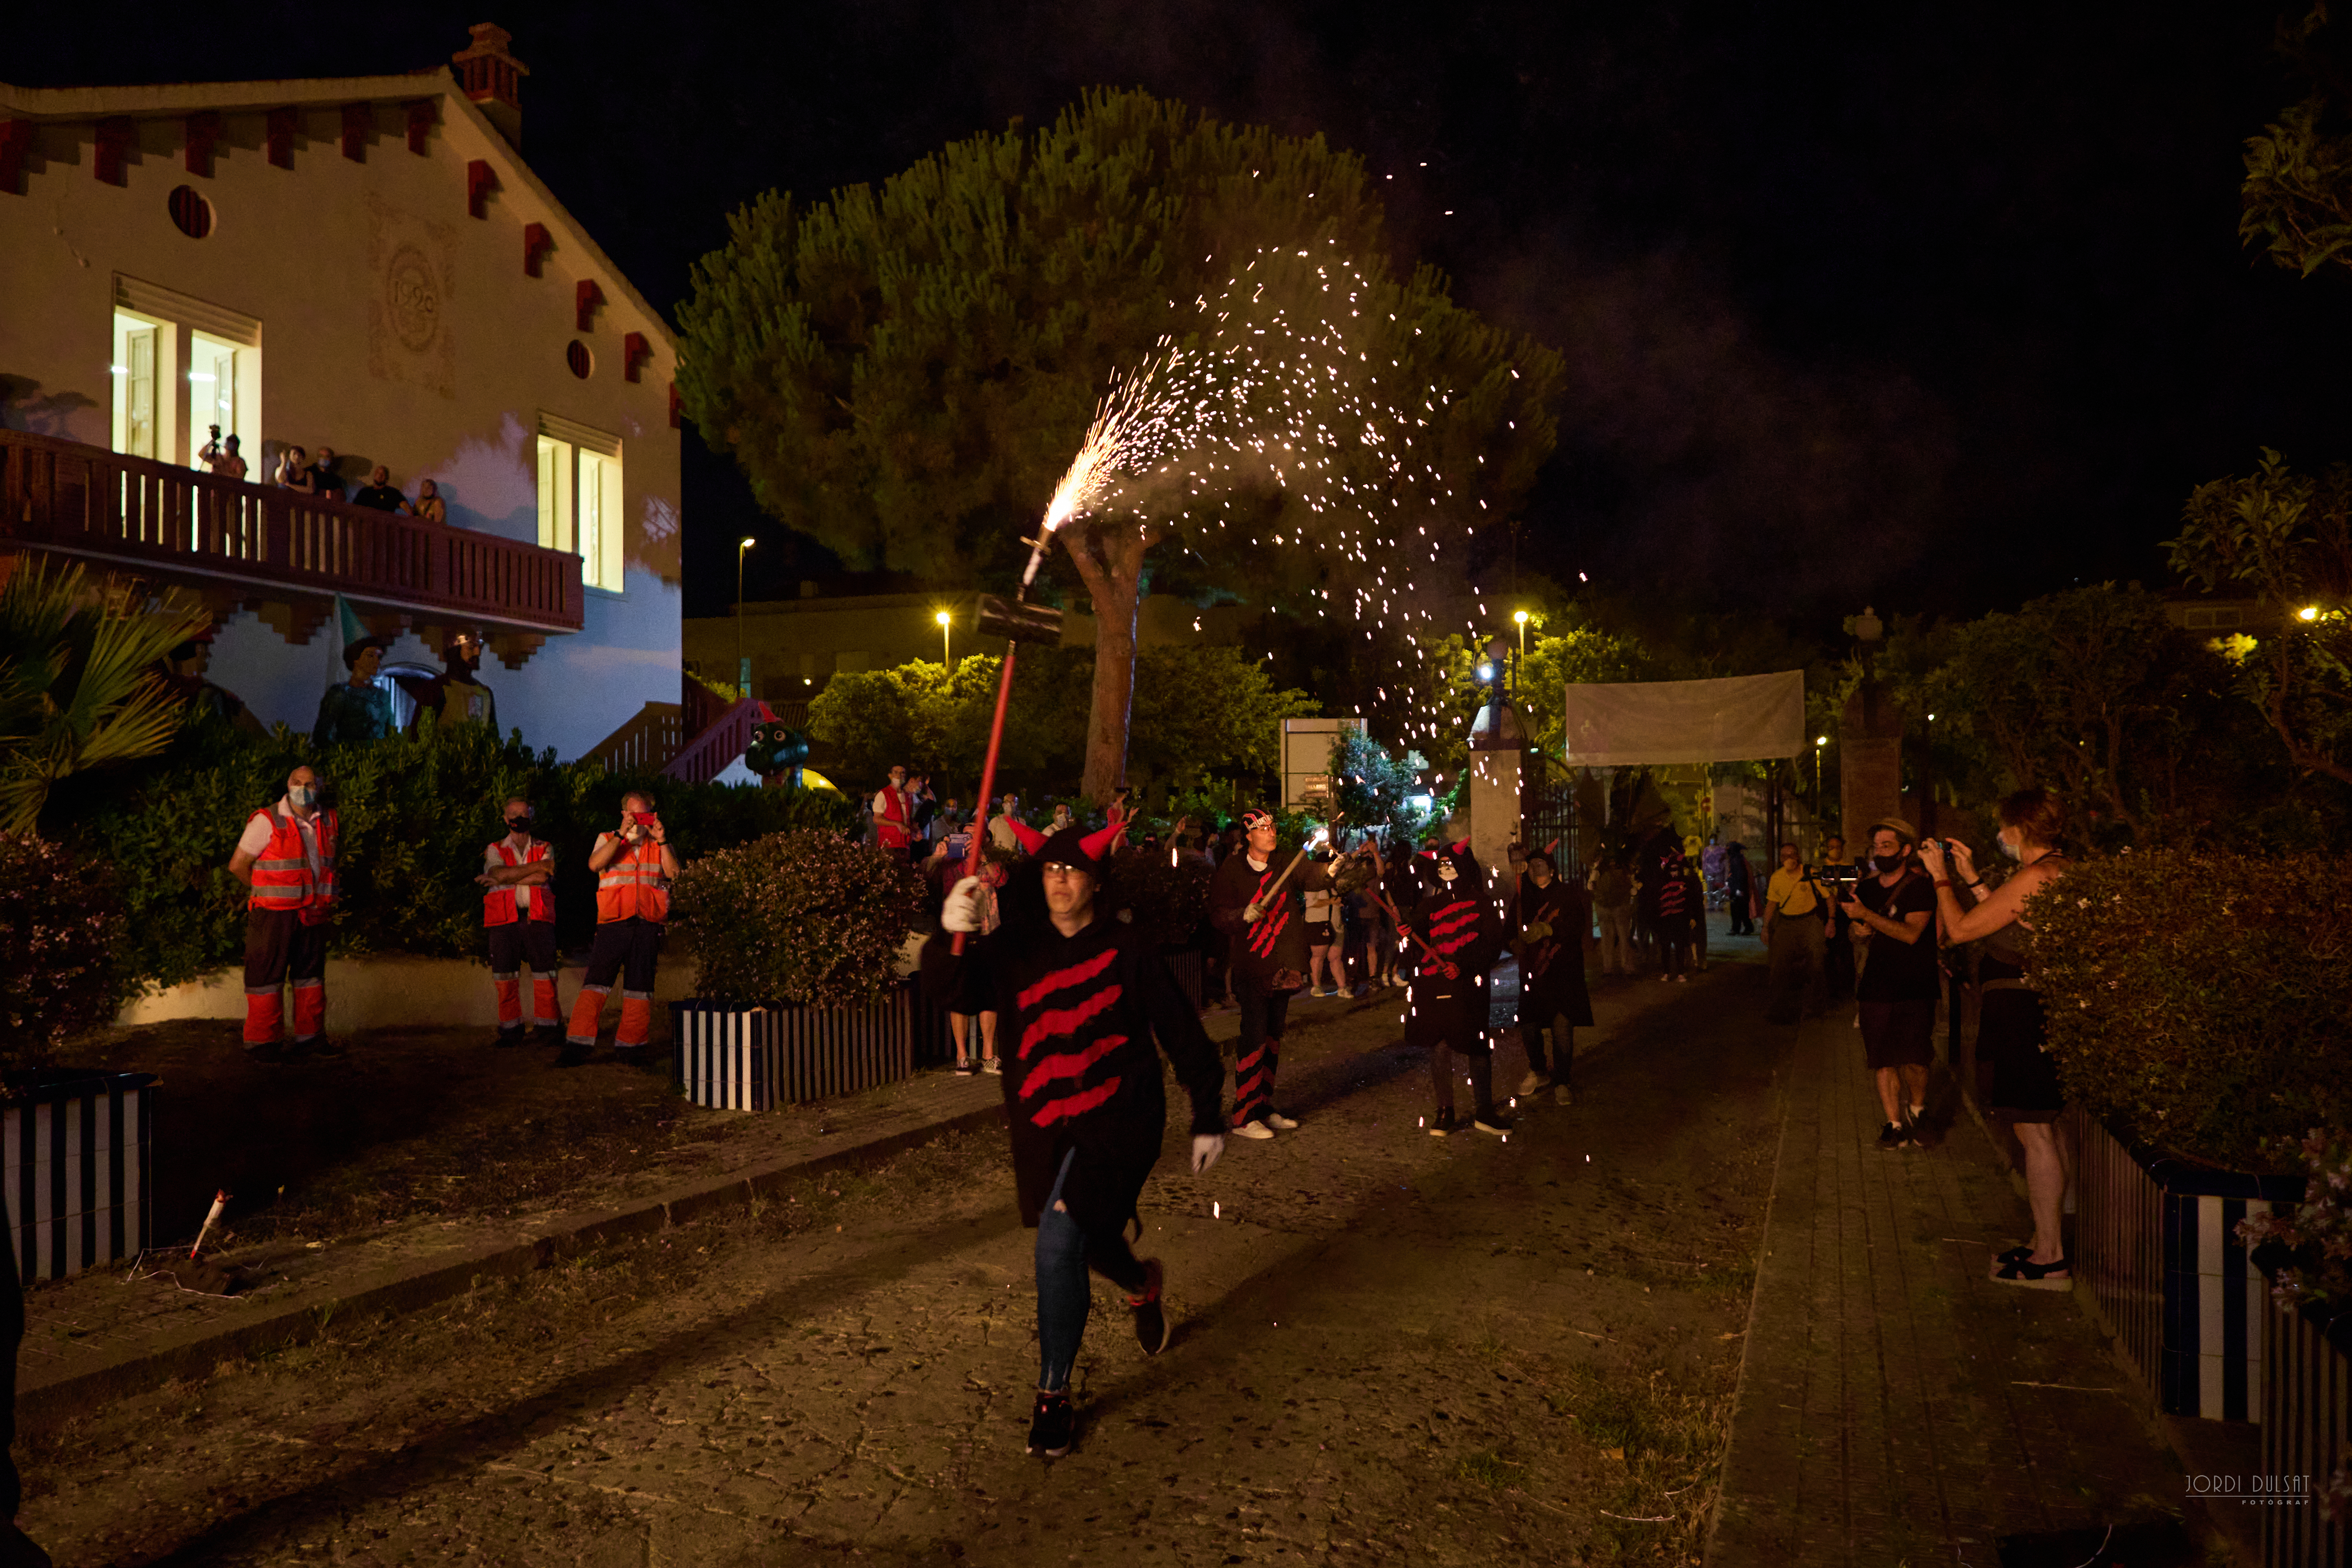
{"x": 579, "y": 499}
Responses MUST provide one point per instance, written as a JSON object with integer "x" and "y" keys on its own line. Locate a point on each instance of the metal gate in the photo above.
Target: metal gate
{"x": 1547, "y": 808}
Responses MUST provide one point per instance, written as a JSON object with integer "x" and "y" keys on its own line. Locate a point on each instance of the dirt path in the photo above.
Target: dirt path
{"x": 1389, "y": 1348}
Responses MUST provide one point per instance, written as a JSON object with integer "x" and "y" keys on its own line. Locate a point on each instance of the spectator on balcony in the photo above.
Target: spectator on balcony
{"x": 220, "y": 455}
{"x": 457, "y": 695}
{"x": 380, "y": 494}
{"x": 295, "y": 473}
{"x": 358, "y": 710}
{"x": 324, "y": 480}
{"x": 428, "y": 505}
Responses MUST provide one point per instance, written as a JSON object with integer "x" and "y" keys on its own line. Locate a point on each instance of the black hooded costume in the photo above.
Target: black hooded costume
{"x": 1453, "y": 926}
{"x": 1076, "y": 1016}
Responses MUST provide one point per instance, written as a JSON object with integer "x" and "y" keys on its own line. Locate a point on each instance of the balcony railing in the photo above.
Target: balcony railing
{"x": 87, "y": 501}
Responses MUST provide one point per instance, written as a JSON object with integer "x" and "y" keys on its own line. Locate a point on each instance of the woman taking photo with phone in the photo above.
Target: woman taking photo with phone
{"x": 2011, "y": 1031}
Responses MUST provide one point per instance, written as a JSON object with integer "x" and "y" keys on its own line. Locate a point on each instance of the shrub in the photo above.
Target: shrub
{"x": 59, "y": 923}
{"x": 416, "y": 813}
{"x": 804, "y": 916}
{"x": 2309, "y": 1248}
{"x": 2197, "y": 1001}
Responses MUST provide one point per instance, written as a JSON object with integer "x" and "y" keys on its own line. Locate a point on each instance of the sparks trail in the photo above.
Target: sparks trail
{"x": 1294, "y": 397}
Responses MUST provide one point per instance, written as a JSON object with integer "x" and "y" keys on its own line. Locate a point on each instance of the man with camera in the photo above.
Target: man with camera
{"x": 635, "y": 867}
{"x": 221, "y": 456}
{"x": 1895, "y": 908}
{"x": 1795, "y": 906}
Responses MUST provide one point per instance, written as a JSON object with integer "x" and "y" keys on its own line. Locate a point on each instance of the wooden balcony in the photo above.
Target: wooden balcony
{"x": 260, "y": 542}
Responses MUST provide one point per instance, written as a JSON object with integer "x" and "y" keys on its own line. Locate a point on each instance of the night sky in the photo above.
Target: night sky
{"x": 1936, "y": 308}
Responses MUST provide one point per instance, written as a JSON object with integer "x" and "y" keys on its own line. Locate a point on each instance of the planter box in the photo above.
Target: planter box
{"x": 78, "y": 1171}
{"x": 755, "y": 1058}
{"x": 2306, "y": 1422}
{"x": 2157, "y": 1241}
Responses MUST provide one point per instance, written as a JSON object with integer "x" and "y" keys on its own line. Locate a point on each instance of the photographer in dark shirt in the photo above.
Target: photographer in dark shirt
{"x": 1894, "y": 912}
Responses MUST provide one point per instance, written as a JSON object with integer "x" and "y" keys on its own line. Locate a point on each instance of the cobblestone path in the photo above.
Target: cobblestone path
{"x": 1389, "y": 1348}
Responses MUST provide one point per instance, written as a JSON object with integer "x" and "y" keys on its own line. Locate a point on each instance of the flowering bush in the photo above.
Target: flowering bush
{"x": 2309, "y": 1248}
{"x": 59, "y": 926}
{"x": 2197, "y": 1001}
{"x": 803, "y": 916}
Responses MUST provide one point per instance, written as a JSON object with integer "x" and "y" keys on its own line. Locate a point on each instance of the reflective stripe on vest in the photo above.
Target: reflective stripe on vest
{"x": 632, "y": 885}
{"x": 282, "y": 879}
{"x": 498, "y": 903}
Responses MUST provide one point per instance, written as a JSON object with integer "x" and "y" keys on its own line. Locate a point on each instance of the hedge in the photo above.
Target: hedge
{"x": 60, "y": 926}
{"x": 805, "y": 916}
{"x": 416, "y": 813}
{"x": 2198, "y": 1002}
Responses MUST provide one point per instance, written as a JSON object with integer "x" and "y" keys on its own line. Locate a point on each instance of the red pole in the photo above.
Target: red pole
{"x": 987, "y": 777}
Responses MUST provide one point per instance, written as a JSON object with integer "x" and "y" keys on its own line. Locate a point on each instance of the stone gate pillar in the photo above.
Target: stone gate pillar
{"x": 1870, "y": 764}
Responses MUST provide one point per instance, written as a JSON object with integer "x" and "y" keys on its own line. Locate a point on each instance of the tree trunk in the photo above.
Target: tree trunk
{"x": 1109, "y": 558}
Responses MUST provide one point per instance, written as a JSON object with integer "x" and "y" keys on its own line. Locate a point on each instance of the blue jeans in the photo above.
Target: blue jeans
{"x": 1063, "y": 1298}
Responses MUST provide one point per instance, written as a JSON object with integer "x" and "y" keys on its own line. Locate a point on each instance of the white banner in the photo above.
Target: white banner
{"x": 1747, "y": 717}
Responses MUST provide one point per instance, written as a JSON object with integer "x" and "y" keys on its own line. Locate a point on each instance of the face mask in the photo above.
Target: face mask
{"x": 2008, "y": 846}
{"x": 302, "y": 794}
{"x": 1885, "y": 865}
{"x": 517, "y": 825}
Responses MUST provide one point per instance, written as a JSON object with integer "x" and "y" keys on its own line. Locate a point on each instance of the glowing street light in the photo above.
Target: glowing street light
{"x": 946, "y": 633}
{"x": 742, "y": 664}
{"x": 2308, "y": 613}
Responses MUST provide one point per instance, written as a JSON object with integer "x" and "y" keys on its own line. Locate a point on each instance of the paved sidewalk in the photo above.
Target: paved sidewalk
{"x": 1897, "y": 1405}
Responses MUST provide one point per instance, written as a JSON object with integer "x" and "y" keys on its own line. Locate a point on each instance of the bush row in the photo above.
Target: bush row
{"x": 416, "y": 813}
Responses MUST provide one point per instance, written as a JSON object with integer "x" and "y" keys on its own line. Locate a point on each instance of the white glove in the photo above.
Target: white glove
{"x": 1206, "y": 1147}
{"x": 1250, "y": 915}
{"x": 962, "y": 911}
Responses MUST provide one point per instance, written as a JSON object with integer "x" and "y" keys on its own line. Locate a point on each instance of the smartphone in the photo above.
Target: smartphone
{"x": 959, "y": 845}
{"x": 643, "y": 819}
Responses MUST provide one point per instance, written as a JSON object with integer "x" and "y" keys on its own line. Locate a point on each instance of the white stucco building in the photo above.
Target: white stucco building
{"x": 365, "y": 264}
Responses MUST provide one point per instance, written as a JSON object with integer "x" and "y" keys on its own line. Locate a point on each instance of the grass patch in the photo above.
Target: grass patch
{"x": 1490, "y": 1469}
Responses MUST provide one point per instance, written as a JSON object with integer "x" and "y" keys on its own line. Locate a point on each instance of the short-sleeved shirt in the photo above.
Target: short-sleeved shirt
{"x": 379, "y": 498}
{"x": 256, "y": 837}
{"x": 1898, "y": 970}
{"x": 1791, "y": 893}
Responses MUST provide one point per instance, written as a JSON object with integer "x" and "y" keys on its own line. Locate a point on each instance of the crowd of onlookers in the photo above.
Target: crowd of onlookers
{"x": 297, "y": 470}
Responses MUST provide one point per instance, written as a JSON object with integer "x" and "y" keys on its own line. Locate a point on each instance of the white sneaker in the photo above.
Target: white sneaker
{"x": 1253, "y": 1130}
{"x": 1533, "y": 1082}
{"x": 1279, "y": 1123}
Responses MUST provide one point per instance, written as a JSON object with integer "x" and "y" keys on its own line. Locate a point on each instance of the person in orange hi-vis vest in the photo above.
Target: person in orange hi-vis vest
{"x": 634, "y": 865}
{"x": 286, "y": 855}
{"x": 518, "y": 923}
{"x": 893, "y": 818}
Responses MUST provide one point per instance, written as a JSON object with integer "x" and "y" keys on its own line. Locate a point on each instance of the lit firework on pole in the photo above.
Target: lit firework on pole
{"x": 1300, "y": 402}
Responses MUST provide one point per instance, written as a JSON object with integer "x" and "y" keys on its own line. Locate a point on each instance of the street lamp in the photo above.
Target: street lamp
{"x": 946, "y": 633}
{"x": 742, "y": 663}
{"x": 1819, "y": 742}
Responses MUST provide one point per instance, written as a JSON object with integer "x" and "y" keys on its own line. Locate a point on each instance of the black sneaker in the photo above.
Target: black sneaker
{"x": 574, "y": 1055}
{"x": 1443, "y": 1124}
{"x": 1150, "y": 1322}
{"x": 317, "y": 1048}
{"x": 965, "y": 1069}
{"x": 1893, "y": 1135}
{"x": 270, "y": 1051}
{"x": 1052, "y": 1426}
{"x": 1493, "y": 1122}
{"x": 507, "y": 1039}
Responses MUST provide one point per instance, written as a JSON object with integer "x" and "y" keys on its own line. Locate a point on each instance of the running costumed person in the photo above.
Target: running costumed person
{"x": 1080, "y": 996}
{"x": 1258, "y": 898}
{"x": 1452, "y": 937}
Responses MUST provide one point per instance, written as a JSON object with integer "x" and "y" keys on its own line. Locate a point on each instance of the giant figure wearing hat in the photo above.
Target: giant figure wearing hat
{"x": 1080, "y": 996}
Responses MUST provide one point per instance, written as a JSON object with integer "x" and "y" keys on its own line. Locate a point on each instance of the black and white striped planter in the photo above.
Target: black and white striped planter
{"x": 2306, "y": 1425}
{"x": 2157, "y": 1241}
{"x": 78, "y": 1164}
{"x": 732, "y": 1058}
